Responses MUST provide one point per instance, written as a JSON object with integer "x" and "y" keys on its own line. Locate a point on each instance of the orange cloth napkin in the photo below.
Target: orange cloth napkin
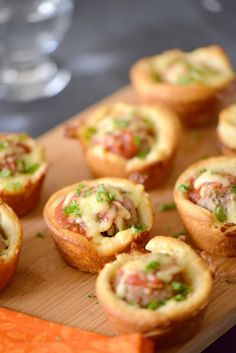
{"x": 20, "y": 333}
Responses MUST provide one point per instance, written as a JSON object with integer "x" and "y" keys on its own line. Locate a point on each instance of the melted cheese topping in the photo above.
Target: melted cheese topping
{"x": 210, "y": 177}
{"x": 35, "y": 159}
{"x": 200, "y": 66}
{"x": 112, "y": 213}
{"x": 168, "y": 268}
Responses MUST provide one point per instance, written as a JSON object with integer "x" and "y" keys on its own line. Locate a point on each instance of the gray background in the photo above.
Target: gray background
{"x": 105, "y": 38}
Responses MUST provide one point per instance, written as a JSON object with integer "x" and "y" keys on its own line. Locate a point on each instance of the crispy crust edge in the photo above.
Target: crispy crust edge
{"x": 199, "y": 222}
{"x": 77, "y": 250}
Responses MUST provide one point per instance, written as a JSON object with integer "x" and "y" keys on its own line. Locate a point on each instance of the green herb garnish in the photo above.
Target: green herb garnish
{"x": 220, "y": 214}
{"x": 203, "y": 170}
{"x": 233, "y": 189}
{"x": 14, "y": 186}
{"x": 91, "y": 295}
{"x": 103, "y": 195}
{"x": 79, "y": 188}
{"x": 138, "y": 228}
{"x": 31, "y": 168}
{"x": 180, "y": 297}
{"x": 142, "y": 154}
{"x": 72, "y": 209}
{"x": 184, "y": 187}
{"x": 90, "y": 132}
{"x": 180, "y": 287}
{"x": 22, "y": 137}
{"x": 5, "y": 173}
{"x": 3, "y": 145}
{"x": 166, "y": 207}
{"x": 40, "y": 235}
{"x": 121, "y": 123}
{"x": 137, "y": 140}
{"x": 154, "y": 304}
{"x": 153, "y": 265}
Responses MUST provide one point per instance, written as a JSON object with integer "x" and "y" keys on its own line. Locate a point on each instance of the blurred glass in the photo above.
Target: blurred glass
{"x": 29, "y": 31}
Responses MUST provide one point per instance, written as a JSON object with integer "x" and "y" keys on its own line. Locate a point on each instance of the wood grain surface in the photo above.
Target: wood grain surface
{"x": 46, "y": 287}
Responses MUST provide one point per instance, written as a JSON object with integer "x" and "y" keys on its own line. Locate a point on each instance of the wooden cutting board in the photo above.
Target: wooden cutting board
{"x": 46, "y": 287}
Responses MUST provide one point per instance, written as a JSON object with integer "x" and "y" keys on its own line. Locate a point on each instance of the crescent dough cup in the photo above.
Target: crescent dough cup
{"x": 10, "y": 243}
{"x": 21, "y": 190}
{"x": 196, "y": 103}
{"x": 226, "y": 130}
{"x": 172, "y": 322}
{"x": 91, "y": 253}
{"x": 205, "y": 230}
{"x": 150, "y": 170}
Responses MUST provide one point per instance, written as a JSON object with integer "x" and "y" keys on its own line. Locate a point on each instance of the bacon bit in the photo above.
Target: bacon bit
{"x": 63, "y": 220}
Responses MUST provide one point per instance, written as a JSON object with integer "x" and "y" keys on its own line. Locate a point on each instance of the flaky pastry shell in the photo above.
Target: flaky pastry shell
{"x": 11, "y": 229}
{"x": 196, "y": 104}
{"x": 173, "y": 322}
{"x": 150, "y": 171}
{"x": 91, "y": 255}
{"x": 22, "y": 191}
{"x": 226, "y": 130}
{"x": 206, "y": 233}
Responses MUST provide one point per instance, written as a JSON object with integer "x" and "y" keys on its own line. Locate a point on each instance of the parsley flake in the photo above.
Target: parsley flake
{"x": 154, "y": 304}
{"x": 103, "y": 195}
{"x": 153, "y": 265}
{"x": 167, "y": 207}
{"x": 233, "y": 189}
{"x": 79, "y": 188}
{"x": 5, "y": 173}
{"x": 142, "y": 154}
{"x": 39, "y": 235}
{"x": 220, "y": 214}
{"x": 138, "y": 228}
{"x": 184, "y": 187}
{"x": 121, "y": 123}
{"x": 31, "y": 168}
{"x": 72, "y": 209}
{"x": 90, "y": 131}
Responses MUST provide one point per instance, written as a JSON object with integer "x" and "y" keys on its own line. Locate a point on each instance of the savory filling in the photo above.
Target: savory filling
{"x": 183, "y": 69}
{"x": 15, "y": 150}
{"x": 215, "y": 191}
{"x": 3, "y": 242}
{"x": 99, "y": 210}
{"x": 128, "y": 135}
{"x": 150, "y": 281}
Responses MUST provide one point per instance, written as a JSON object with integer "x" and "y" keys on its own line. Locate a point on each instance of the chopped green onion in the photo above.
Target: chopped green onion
{"x": 31, "y": 168}
{"x": 180, "y": 297}
{"x": 180, "y": 287}
{"x": 121, "y": 123}
{"x": 14, "y": 186}
{"x": 103, "y": 195}
{"x": 90, "y": 132}
{"x": 3, "y": 145}
{"x": 233, "y": 189}
{"x": 138, "y": 228}
{"x": 220, "y": 214}
{"x": 153, "y": 265}
{"x": 154, "y": 304}
{"x": 79, "y": 188}
{"x": 5, "y": 173}
{"x": 142, "y": 154}
{"x": 167, "y": 207}
{"x": 184, "y": 187}
{"x": 137, "y": 140}
{"x": 72, "y": 209}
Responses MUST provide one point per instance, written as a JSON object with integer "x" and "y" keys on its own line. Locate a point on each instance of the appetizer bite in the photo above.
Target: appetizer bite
{"x": 94, "y": 220}
{"x": 205, "y": 196}
{"x": 226, "y": 130}
{"x": 188, "y": 83}
{"x": 22, "y": 170}
{"x": 132, "y": 141}
{"x": 10, "y": 243}
{"x": 162, "y": 294}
